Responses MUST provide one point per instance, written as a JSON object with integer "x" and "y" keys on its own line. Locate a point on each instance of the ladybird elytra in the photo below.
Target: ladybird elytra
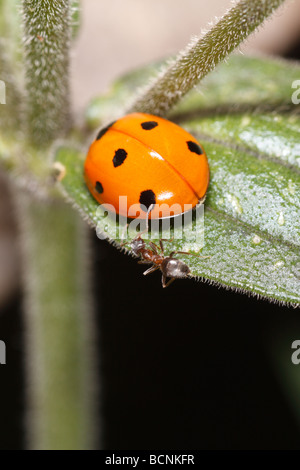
{"x": 151, "y": 161}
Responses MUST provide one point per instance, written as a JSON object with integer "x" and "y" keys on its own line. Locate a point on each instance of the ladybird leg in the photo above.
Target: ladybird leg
{"x": 166, "y": 284}
{"x": 150, "y": 270}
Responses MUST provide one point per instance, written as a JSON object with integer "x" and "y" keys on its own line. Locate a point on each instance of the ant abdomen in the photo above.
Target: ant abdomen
{"x": 172, "y": 267}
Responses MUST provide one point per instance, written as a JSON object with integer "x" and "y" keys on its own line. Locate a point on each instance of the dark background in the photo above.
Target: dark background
{"x": 185, "y": 367}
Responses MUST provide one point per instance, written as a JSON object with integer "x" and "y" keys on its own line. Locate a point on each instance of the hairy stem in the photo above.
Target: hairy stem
{"x": 46, "y": 46}
{"x": 60, "y": 363}
{"x": 59, "y": 327}
{"x": 203, "y": 54}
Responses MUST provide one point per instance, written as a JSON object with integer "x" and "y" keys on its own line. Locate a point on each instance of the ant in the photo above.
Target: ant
{"x": 170, "y": 267}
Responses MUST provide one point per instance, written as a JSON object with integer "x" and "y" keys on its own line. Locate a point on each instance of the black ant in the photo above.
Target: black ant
{"x": 170, "y": 267}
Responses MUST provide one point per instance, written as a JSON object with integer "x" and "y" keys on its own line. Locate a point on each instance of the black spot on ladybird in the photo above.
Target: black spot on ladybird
{"x": 120, "y": 156}
{"x": 147, "y": 198}
{"x": 148, "y": 125}
{"x": 99, "y": 187}
{"x": 193, "y": 147}
{"x": 104, "y": 130}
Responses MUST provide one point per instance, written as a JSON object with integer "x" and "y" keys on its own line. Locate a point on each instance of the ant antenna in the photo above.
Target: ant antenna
{"x": 147, "y": 222}
{"x": 123, "y": 233}
{"x": 140, "y": 233}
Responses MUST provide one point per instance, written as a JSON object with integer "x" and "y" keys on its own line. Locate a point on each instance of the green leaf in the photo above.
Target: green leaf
{"x": 250, "y": 130}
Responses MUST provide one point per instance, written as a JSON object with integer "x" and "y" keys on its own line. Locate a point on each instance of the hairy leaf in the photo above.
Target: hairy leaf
{"x": 250, "y": 129}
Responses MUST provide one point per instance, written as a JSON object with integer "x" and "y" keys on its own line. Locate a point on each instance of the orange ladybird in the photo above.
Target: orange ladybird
{"x": 151, "y": 161}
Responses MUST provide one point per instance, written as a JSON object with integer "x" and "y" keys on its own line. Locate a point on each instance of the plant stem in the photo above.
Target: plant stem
{"x": 46, "y": 46}
{"x": 59, "y": 329}
{"x": 203, "y": 54}
{"x": 59, "y": 342}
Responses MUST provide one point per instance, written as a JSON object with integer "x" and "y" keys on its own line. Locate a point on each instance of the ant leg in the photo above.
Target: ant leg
{"x": 161, "y": 245}
{"x": 180, "y": 253}
{"x": 186, "y": 253}
{"x": 142, "y": 261}
{"x": 166, "y": 284}
{"x": 154, "y": 247}
{"x": 151, "y": 270}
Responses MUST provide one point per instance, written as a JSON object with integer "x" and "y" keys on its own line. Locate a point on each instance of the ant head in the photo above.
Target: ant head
{"x": 172, "y": 267}
{"x": 136, "y": 245}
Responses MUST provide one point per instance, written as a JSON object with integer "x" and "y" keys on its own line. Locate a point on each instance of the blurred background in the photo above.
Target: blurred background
{"x": 192, "y": 366}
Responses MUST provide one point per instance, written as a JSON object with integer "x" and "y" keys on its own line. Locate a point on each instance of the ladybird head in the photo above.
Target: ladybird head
{"x": 172, "y": 267}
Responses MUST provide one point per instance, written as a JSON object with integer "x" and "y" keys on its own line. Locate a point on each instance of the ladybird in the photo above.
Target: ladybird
{"x": 150, "y": 160}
